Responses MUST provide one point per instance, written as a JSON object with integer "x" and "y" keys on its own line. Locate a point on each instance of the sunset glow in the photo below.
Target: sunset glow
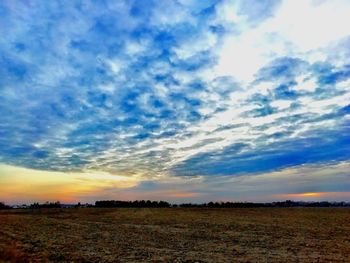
{"x": 22, "y": 185}
{"x": 316, "y": 196}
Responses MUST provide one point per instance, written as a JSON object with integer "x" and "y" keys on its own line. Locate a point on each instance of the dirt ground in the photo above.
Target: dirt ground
{"x": 175, "y": 235}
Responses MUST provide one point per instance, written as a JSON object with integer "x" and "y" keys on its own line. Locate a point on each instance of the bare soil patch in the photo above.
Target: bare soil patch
{"x": 175, "y": 235}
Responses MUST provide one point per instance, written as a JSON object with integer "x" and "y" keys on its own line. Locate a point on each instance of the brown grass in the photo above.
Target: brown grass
{"x": 175, "y": 235}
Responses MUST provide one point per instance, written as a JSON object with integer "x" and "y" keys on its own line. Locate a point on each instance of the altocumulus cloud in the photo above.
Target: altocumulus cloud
{"x": 174, "y": 88}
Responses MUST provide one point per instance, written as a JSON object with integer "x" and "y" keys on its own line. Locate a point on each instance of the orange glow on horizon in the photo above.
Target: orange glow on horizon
{"x": 27, "y": 185}
{"x": 317, "y": 195}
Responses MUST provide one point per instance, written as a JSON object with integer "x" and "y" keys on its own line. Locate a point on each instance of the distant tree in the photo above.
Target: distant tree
{"x": 46, "y": 205}
{"x": 134, "y": 204}
{"x": 3, "y": 206}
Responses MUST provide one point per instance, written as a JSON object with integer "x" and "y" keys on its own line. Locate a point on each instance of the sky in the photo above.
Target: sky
{"x": 176, "y": 100}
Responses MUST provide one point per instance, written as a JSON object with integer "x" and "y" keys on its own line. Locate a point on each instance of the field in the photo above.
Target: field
{"x": 175, "y": 235}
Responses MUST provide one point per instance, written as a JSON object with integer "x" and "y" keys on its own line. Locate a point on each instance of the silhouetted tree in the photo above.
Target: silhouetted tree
{"x": 148, "y": 203}
{"x": 135, "y": 204}
{"x": 46, "y": 205}
{"x": 3, "y": 206}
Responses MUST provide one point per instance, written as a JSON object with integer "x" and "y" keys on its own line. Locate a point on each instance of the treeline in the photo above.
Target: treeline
{"x": 46, "y": 205}
{"x": 287, "y": 203}
{"x": 164, "y": 204}
{"x": 137, "y": 203}
{"x": 3, "y": 206}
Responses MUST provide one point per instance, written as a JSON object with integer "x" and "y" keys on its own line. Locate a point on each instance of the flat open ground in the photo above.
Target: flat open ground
{"x": 175, "y": 235}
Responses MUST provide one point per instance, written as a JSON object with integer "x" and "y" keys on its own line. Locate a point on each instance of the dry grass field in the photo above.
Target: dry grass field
{"x": 175, "y": 235}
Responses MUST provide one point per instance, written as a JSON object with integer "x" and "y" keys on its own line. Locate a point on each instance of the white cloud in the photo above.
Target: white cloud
{"x": 306, "y": 83}
{"x": 309, "y": 26}
{"x": 298, "y": 28}
{"x": 281, "y": 104}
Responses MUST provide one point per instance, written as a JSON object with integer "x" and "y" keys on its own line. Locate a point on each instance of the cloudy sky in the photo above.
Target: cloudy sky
{"x": 179, "y": 100}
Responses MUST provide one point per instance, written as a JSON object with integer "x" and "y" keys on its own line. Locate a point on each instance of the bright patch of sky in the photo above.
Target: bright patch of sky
{"x": 152, "y": 90}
